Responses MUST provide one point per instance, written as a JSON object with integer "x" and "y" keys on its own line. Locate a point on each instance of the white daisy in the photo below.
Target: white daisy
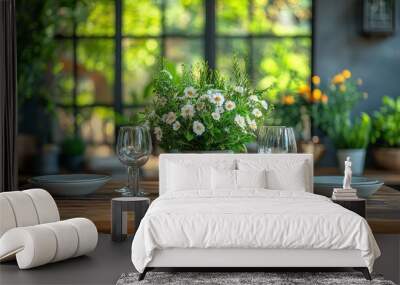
{"x": 220, "y": 109}
{"x": 198, "y": 128}
{"x": 239, "y": 120}
{"x": 158, "y": 133}
{"x": 171, "y": 117}
{"x": 230, "y": 105}
{"x": 264, "y": 104}
{"x": 162, "y": 101}
{"x": 200, "y": 106}
{"x": 257, "y": 113}
{"x": 152, "y": 114}
{"x": 253, "y": 98}
{"x": 176, "y": 126}
{"x": 216, "y": 116}
{"x": 190, "y": 92}
{"x": 252, "y": 124}
{"x": 217, "y": 98}
{"x": 204, "y": 97}
{"x": 187, "y": 111}
{"x": 239, "y": 89}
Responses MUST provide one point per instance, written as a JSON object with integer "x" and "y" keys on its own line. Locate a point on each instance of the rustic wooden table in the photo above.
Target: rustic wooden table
{"x": 383, "y": 208}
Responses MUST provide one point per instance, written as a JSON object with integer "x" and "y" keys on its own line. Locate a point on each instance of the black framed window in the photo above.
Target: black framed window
{"x": 108, "y": 49}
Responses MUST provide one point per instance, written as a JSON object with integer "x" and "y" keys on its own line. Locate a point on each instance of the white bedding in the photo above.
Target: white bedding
{"x": 252, "y": 218}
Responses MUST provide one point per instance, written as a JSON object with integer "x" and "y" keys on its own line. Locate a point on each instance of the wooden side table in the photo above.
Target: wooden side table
{"x": 119, "y": 218}
{"x": 356, "y": 205}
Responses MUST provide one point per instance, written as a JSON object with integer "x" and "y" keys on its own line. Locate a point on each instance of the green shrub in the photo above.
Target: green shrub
{"x": 351, "y": 135}
{"x": 386, "y": 123}
{"x": 73, "y": 146}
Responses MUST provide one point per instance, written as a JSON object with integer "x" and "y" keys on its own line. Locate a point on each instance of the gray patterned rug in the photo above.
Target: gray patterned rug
{"x": 236, "y": 278}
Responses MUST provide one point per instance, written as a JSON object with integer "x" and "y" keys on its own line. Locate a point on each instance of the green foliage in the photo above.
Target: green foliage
{"x": 351, "y": 135}
{"x": 234, "y": 16}
{"x": 35, "y": 30}
{"x": 73, "y": 146}
{"x": 386, "y": 123}
{"x": 201, "y": 110}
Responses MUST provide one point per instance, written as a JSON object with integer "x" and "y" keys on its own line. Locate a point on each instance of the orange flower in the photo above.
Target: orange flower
{"x": 338, "y": 79}
{"x": 304, "y": 89}
{"x": 288, "y": 100}
{"x": 346, "y": 73}
{"x": 316, "y": 80}
{"x": 316, "y": 95}
{"x": 324, "y": 99}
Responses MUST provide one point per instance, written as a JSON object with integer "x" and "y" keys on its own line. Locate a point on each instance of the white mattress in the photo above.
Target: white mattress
{"x": 252, "y": 219}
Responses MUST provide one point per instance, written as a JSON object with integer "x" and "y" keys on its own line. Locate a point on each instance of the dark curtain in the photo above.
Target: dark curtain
{"x": 8, "y": 97}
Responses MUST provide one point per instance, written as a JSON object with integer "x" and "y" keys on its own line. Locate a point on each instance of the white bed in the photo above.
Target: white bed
{"x": 202, "y": 219}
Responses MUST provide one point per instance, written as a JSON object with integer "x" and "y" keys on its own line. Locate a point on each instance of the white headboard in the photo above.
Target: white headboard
{"x": 210, "y": 159}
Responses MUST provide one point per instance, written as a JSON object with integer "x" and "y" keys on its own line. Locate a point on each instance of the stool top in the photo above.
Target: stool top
{"x": 130, "y": 199}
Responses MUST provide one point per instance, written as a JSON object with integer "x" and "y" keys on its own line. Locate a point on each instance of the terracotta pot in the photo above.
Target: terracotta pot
{"x": 387, "y": 158}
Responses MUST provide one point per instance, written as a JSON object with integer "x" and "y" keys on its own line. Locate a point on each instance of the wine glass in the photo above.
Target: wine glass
{"x": 291, "y": 138}
{"x": 133, "y": 150}
{"x": 276, "y": 139}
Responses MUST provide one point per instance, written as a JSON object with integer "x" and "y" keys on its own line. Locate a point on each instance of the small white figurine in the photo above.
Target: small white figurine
{"x": 347, "y": 174}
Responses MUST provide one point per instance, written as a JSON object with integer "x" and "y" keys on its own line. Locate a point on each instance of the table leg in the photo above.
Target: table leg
{"x": 116, "y": 222}
{"x": 140, "y": 211}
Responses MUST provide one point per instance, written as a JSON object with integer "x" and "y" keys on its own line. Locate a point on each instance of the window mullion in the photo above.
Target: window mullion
{"x": 75, "y": 73}
{"x": 163, "y": 8}
{"x": 118, "y": 58}
{"x": 209, "y": 32}
{"x": 250, "y": 44}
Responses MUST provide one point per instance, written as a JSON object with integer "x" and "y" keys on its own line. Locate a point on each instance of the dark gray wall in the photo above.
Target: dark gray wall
{"x": 339, "y": 44}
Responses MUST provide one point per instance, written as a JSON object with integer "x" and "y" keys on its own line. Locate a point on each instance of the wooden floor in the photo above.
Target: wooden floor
{"x": 383, "y": 208}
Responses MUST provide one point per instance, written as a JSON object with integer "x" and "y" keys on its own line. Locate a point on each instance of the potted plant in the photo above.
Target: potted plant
{"x": 73, "y": 150}
{"x": 295, "y": 108}
{"x": 351, "y": 140}
{"x": 349, "y": 135}
{"x": 386, "y": 134}
{"x": 202, "y": 111}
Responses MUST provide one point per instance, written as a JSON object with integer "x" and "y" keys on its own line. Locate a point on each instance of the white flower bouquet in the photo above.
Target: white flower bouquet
{"x": 202, "y": 111}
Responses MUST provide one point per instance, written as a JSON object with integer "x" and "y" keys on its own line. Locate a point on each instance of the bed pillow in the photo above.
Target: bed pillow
{"x": 182, "y": 177}
{"x": 223, "y": 179}
{"x": 281, "y": 174}
{"x": 291, "y": 179}
{"x": 251, "y": 178}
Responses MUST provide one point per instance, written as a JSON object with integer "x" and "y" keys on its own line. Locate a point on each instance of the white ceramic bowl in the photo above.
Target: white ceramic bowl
{"x": 323, "y": 185}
